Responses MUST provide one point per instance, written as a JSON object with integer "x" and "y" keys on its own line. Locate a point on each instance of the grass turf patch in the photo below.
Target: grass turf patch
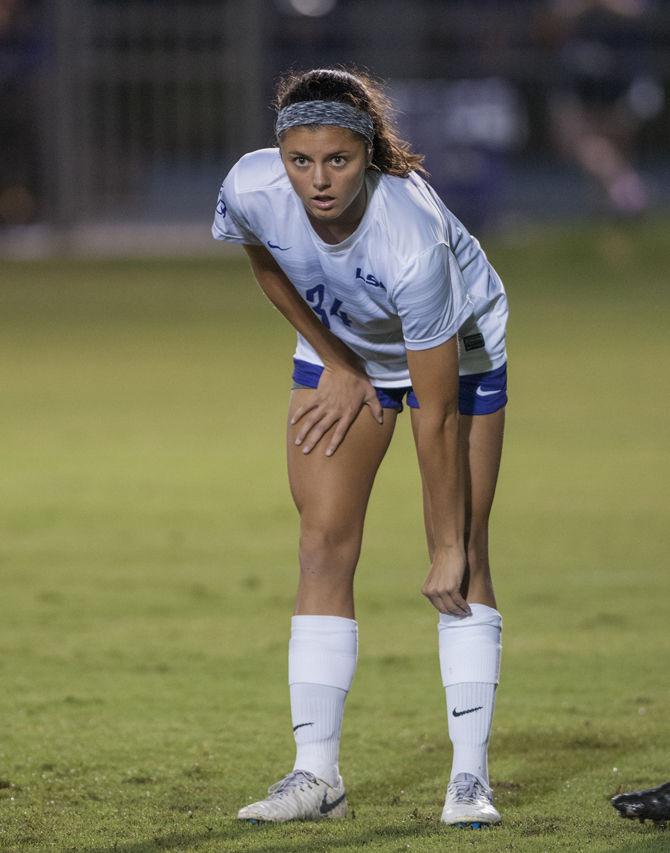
{"x": 148, "y": 566}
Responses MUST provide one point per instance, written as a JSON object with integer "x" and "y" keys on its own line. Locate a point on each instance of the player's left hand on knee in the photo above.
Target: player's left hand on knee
{"x": 442, "y": 587}
{"x": 315, "y": 424}
{"x": 337, "y": 401}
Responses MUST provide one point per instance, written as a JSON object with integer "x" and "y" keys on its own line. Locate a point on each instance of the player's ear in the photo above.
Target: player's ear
{"x": 369, "y": 164}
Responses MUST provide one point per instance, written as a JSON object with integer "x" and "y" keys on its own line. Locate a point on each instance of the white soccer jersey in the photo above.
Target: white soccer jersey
{"x": 409, "y": 277}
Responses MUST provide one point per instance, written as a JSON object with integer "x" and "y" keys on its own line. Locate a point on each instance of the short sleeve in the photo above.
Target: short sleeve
{"x": 430, "y": 298}
{"x": 230, "y": 223}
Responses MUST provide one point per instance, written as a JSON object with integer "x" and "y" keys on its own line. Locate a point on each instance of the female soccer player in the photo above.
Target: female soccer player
{"x": 391, "y": 297}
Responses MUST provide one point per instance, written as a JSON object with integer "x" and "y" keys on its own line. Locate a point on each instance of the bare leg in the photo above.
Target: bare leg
{"x": 331, "y": 495}
{"x": 481, "y": 438}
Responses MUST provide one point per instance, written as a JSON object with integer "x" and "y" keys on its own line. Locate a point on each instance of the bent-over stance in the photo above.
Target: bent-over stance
{"x": 394, "y": 302}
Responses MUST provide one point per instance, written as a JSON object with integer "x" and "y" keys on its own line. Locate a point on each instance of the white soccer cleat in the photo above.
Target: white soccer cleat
{"x": 469, "y": 802}
{"x": 298, "y": 796}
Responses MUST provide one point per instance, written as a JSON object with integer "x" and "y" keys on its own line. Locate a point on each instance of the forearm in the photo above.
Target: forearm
{"x": 437, "y": 450}
{"x": 286, "y": 299}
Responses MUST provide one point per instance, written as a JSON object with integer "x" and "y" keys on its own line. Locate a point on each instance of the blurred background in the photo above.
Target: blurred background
{"x": 119, "y": 118}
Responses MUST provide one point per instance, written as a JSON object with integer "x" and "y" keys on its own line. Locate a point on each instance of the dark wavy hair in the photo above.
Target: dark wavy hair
{"x": 390, "y": 153}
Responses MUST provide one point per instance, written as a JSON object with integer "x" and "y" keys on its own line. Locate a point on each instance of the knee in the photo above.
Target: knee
{"x": 328, "y": 550}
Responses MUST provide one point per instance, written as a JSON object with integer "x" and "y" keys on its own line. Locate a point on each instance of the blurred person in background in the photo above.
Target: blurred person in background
{"x": 19, "y": 147}
{"x": 605, "y": 91}
{"x": 392, "y": 298}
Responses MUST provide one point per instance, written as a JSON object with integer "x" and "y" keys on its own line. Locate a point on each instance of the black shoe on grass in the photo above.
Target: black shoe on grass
{"x": 654, "y": 804}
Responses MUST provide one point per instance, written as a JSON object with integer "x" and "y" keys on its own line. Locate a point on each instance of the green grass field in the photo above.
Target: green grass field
{"x": 148, "y": 563}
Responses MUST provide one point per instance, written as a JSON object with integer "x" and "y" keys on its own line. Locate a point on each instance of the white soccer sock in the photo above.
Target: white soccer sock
{"x": 470, "y": 710}
{"x": 322, "y": 662}
{"x": 470, "y": 665}
{"x": 317, "y": 711}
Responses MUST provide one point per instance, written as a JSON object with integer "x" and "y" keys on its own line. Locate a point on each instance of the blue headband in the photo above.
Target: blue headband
{"x": 325, "y": 112}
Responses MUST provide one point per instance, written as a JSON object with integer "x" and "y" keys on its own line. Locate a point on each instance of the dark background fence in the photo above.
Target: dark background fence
{"x": 119, "y": 111}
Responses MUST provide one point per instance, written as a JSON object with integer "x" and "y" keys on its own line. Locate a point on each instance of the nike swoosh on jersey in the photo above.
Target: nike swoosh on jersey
{"x": 481, "y": 393}
{"x": 281, "y": 249}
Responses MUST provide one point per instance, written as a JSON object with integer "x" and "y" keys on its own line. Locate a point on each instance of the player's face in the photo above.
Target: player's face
{"x": 326, "y": 166}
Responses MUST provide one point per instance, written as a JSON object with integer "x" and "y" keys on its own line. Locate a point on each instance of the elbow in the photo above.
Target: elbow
{"x": 439, "y": 416}
{"x": 437, "y": 428}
